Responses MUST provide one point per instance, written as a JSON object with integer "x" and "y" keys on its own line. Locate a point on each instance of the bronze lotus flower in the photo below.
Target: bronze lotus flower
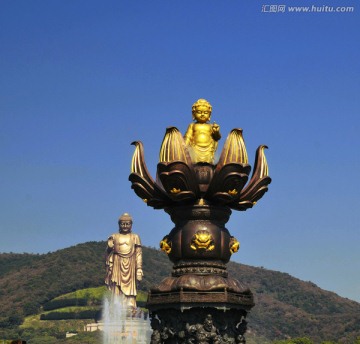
{"x": 179, "y": 181}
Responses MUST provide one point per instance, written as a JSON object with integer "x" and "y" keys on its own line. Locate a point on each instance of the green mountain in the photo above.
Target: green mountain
{"x": 286, "y": 307}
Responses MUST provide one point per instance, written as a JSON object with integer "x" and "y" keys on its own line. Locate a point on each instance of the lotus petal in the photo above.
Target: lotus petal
{"x": 142, "y": 182}
{"x": 258, "y": 183}
{"x": 234, "y": 150}
{"x": 228, "y": 182}
{"x": 173, "y": 147}
{"x": 141, "y": 187}
{"x": 178, "y": 180}
{"x": 138, "y": 165}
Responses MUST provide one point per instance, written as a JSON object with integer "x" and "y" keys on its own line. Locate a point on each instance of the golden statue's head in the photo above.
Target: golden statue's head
{"x": 201, "y": 111}
{"x": 125, "y": 223}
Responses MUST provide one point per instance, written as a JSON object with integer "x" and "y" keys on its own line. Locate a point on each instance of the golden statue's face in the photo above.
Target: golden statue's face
{"x": 202, "y": 113}
{"x": 125, "y": 226}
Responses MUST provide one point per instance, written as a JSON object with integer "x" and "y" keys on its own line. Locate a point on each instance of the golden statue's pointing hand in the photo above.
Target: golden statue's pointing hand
{"x": 216, "y": 132}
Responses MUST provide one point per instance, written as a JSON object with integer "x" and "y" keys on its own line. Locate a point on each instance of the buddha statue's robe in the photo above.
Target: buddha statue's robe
{"x": 122, "y": 263}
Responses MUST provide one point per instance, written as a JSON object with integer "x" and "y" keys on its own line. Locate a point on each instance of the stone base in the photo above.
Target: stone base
{"x": 199, "y": 309}
{"x": 198, "y": 325}
{"x": 183, "y": 300}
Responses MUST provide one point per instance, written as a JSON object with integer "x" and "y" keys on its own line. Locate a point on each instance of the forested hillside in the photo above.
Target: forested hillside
{"x": 285, "y": 306}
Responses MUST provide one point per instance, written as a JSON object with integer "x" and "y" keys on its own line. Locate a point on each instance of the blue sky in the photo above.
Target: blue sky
{"x": 80, "y": 80}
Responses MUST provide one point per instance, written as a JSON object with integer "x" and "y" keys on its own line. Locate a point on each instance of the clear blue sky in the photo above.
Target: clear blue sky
{"x": 80, "y": 80}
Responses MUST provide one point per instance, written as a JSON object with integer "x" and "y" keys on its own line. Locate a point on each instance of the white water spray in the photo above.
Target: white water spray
{"x": 122, "y": 325}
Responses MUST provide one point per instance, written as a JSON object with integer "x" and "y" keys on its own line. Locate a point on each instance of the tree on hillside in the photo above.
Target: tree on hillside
{"x": 294, "y": 341}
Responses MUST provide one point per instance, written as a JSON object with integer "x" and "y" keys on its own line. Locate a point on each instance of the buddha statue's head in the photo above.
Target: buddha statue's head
{"x": 125, "y": 223}
{"x": 201, "y": 111}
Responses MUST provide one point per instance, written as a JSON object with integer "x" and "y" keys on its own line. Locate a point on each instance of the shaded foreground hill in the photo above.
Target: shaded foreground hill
{"x": 285, "y": 306}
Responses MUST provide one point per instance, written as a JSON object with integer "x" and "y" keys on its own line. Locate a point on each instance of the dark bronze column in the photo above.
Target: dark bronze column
{"x": 199, "y": 290}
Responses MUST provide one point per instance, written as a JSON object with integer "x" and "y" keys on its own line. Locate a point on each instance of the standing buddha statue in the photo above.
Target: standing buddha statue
{"x": 124, "y": 261}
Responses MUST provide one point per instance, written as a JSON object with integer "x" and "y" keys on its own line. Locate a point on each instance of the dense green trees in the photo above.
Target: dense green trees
{"x": 82, "y": 314}
{"x": 294, "y": 341}
{"x": 54, "y": 304}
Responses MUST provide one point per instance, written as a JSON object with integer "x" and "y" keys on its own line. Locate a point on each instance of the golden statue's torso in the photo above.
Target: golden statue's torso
{"x": 123, "y": 243}
{"x": 202, "y": 134}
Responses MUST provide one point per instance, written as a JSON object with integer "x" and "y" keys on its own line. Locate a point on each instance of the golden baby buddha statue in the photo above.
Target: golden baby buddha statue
{"x": 202, "y": 137}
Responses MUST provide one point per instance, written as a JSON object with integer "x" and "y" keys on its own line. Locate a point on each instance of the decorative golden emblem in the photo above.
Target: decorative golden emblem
{"x": 202, "y": 240}
{"x": 233, "y": 192}
{"x": 175, "y": 190}
{"x": 234, "y": 245}
{"x": 165, "y": 244}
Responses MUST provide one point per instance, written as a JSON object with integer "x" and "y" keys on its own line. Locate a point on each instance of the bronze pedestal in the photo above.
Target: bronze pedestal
{"x": 199, "y": 303}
